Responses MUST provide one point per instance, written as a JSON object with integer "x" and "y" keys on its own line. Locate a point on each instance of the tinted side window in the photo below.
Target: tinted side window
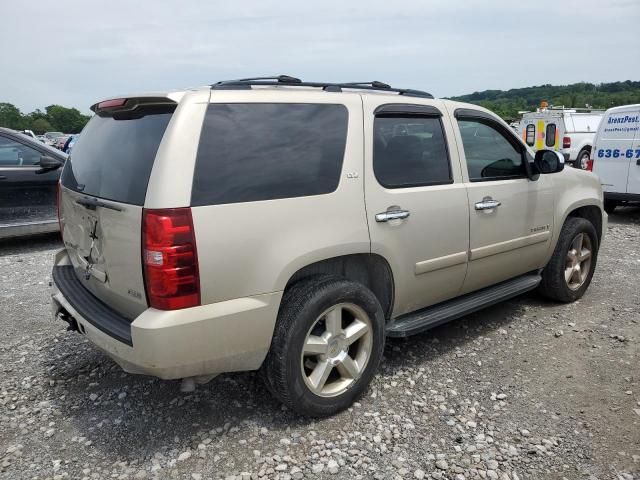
{"x": 264, "y": 151}
{"x": 489, "y": 154}
{"x": 14, "y": 153}
{"x": 550, "y": 135}
{"x": 531, "y": 135}
{"x": 410, "y": 151}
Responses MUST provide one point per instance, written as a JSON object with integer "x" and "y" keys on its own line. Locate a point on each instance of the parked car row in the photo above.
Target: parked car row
{"x": 59, "y": 140}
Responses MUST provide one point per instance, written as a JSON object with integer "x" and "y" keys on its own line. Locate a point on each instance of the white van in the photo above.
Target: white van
{"x": 567, "y": 131}
{"x": 616, "y": 155}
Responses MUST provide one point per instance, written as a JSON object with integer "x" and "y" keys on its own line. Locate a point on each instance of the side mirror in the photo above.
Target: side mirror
{"x": 47, "y": 164}
{"x": 549, "y": 161}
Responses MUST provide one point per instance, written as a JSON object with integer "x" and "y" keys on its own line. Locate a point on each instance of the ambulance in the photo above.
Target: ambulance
{"x": 568, "y": 131}
{"x": 616, "y": 156}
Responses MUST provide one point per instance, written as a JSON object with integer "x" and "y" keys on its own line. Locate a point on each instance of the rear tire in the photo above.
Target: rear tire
{"x": 582, "y": 160}
{"x": 610, "y": 205}
{"x": 570, "y": 269}
{"x": 326, "y": 347}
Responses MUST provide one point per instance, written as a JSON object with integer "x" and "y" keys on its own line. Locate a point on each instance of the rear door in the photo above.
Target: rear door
{"x": 614, "y": 153}
{"x": 103, "y": 188}
{"x": 416, "y": 202}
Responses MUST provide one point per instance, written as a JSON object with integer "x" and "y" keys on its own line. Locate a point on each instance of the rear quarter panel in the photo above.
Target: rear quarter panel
{"x": 246, "y": 249}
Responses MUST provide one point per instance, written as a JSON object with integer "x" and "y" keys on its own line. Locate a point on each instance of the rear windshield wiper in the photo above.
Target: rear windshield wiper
{"x": 92, "y": 203}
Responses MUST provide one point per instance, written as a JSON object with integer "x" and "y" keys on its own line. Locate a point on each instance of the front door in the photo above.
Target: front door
{"x": 25, "y": 196}
{"x": 416, "y": 202}
{"x": 511, "y": 217}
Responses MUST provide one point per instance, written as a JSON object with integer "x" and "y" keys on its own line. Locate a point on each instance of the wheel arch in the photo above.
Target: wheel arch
{"x": 592, "y": 213}
{"x": 585, "y": 146}
{"x": 369, "y": 269}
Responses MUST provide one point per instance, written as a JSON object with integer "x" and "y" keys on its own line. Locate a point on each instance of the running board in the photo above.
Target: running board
{"x": 421, "y": 320}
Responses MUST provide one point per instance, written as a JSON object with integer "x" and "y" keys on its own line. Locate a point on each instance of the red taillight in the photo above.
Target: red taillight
{"x": 170, "y": 259}
{"x": 566, "y": 142}
{"x": 590, "y": 165}
{"x": 116, "y": 102}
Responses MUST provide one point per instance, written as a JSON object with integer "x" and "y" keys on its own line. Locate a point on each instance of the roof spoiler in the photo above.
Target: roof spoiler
{"x": 132, "y": 106}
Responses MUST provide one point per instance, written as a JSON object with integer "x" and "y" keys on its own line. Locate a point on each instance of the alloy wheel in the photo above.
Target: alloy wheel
{"x": 336, "y": 350}
{"x": 578, "y": 262}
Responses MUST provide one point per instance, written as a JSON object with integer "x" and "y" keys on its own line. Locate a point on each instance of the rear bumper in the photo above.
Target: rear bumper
{"x": 233, "y": 335}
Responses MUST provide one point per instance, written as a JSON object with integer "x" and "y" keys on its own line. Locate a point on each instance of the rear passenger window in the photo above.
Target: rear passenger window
{"x": 531, "y": 135}
{"x": 489, "y": 153}
{"x": 264, "y": 151}
{"x": 410, "y": 151}
{"x": 550, "y": 135}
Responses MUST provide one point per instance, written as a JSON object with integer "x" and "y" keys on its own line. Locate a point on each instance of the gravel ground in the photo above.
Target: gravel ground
{"x": 526, "y": 389}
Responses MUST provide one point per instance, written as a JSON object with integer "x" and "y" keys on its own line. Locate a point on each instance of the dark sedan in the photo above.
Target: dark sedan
{"x": 29, "y": 172}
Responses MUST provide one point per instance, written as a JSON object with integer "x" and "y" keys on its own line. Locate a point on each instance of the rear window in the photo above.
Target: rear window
{"x": 531, "y": 134}
{"x": 265, "y": 151}
{"x": 550, "y": 135}
{"x": 112, "y": 159}
{"x": 584, "y": 122}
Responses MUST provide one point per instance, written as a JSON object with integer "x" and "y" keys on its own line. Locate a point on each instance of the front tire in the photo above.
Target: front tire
{"x": 326, "y": 347}
{"x": 568, "y": 274}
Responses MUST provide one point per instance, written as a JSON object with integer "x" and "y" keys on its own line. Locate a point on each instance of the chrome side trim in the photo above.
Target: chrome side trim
{"x": 440, "y": 263}
{"x": 501, "y": 247}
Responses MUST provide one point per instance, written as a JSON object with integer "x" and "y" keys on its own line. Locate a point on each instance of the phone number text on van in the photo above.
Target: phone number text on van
{"x": 617, "y": 153}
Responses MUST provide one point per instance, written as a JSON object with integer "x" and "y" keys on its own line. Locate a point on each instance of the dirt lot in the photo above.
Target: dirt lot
{"x": 526, "y": 389}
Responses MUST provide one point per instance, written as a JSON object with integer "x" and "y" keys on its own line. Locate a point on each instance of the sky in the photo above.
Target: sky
{"x": 74, "y": 53}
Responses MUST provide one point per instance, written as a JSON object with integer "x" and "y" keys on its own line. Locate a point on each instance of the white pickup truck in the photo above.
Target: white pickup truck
{"x": 567, "y": 131}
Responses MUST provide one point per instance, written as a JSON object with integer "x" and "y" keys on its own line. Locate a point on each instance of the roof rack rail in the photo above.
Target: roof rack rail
{"x": 278, "y": 78}
{"x": 289, "y": 81}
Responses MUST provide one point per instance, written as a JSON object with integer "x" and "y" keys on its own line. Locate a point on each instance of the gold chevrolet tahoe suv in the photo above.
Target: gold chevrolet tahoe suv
{"x": 289, "y": 227}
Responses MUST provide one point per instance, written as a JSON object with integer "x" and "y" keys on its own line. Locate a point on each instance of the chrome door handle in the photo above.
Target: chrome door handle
{"x": 391, "y": 215}
{"x": 487, "y": 203}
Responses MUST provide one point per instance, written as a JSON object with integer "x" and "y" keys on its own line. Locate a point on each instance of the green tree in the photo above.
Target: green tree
{"x": 10, "y": 116}
{"x": 40, "y": 125}
{"x": 54, "y": 118}
{"x": 508, "y": 103}
{"x": 68, "y": 120}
